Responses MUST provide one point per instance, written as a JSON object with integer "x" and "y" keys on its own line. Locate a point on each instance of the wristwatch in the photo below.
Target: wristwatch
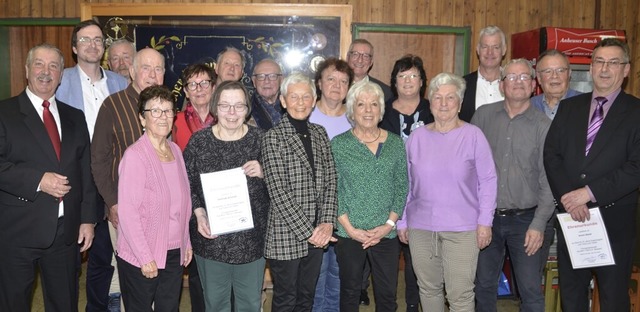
{"x": 392, "y": 223}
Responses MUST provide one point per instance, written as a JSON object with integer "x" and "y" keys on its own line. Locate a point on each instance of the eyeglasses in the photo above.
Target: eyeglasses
{"x": 270, "y": 77}
{"x": 611, "y": 63}
{"x": 157, "y": 113}
{"x": 236, "y": 107}
{"x": 549, "y": 71}
{"x": 514, "y": 77}
{"x": 405, "y": 76}
{"x": 356, "y": 54}
{"x": 98, "y": 41}
{"x": 204, "y": 84}
{"x": 294, "y": 98}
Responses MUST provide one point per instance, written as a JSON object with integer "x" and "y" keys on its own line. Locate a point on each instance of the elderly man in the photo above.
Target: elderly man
{"x": 360, "y": 59}
{"x": 229, "y": 65}
{"x": 483, "y": 84}
{"x": 120, "y": 56}
{"x": 47, "y": 195}
{"x": 591, "y": 156}
{"x": 118, "y": 126}
{"x": 84, "y": 87}
{"x": 266, "y": 110}
{"x": 553, "y": 75}
{"x": 516, "y": 132}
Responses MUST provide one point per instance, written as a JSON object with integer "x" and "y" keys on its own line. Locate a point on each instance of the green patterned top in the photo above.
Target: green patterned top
{"x": 370, "y": 187}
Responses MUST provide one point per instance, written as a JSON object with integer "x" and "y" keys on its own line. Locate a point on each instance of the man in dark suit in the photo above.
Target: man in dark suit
{"x": 47, "y": 195}
{"x": 483, "y": 84}
{"x": 591, "y": 165}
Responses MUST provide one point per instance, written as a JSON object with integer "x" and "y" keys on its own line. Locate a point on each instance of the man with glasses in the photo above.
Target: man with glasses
{"x": 483, "y": 85}
{"x": 591, "y": 156}
{"x": 360, "y": 59}
{"x": 266, "y": 110}
{"x": 117, "y": 127}
{"x": 516, "y": 132}
{"x": 84, "y": 87}
{"x": 553, "y": 76}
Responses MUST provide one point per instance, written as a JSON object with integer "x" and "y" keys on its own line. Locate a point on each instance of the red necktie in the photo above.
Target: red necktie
{"x": 52, "y": 129}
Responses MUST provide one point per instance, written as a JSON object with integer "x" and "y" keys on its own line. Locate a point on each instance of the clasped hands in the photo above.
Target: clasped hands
{"x": 575, "y": 203}
{"x": 371, "y": 237}
{"x": 322, "y": 235}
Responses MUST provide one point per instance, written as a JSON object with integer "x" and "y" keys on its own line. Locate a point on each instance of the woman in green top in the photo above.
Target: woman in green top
{"x": 372, "y": 190}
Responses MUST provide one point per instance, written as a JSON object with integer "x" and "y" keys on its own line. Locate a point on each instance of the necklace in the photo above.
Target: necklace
{"x": 163, "y": 154}
{"x": 363, "y": 141}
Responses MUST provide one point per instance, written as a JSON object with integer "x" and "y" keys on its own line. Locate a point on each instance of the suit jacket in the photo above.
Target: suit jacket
{"x": 70, "y": 90}
{"x": 469, "y": 101}
{"x": 612, "y": 168}
{"x": 299, "y": 198}
{"x": 28, "y": 217}
{"x": 388, "y": 94}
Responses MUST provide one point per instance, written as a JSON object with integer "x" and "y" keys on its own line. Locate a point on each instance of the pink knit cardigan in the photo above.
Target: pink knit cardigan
{"x": 143, "y": 205}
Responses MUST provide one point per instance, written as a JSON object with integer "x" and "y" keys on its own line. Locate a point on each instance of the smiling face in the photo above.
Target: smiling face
{"x": 367, "y": 110}
{"x": 408, "y": 82}
{"x": 490, "y": 51}
{"x": 230, "y": 67}
{"x": 360, "y": 60}
{"x": 445, "y": 103}
{"x": 334, "y": 85}
{"x": 233, "y": 118}
{"x": 148, "y": 70}
{"x": 200, "y": 97}
{"x": 299, "y": 100}
{"x": 517, "y": 90}
{"x": 606, "y": 77}
{"x": 89, "y": 51}
{"x": 158, "y": 127}
{"x": 267, "y": 88}
{"x": 44, "y": 72}
{"x": 553, "y": 75}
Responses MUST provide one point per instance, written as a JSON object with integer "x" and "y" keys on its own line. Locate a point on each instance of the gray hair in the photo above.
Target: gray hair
{"x": 490, "y": 31}
{"x": 359, "y": 88}
{"x": 294, "y": 78}
{"x": 360, "y": 41}
{"x": 532, "y": 72}
{"x": 231, "y": 49}
{"x": 122, "y": 41}
{"x": 447, "y": 79}
{"x": 48, "y": 47}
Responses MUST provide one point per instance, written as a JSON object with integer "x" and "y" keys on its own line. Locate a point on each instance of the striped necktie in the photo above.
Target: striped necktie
{"x": 596, "y": 123}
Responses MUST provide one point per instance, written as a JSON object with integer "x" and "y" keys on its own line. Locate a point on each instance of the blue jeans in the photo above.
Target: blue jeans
{"x": 509, "y": 232}
{"x": 327, "y": 296}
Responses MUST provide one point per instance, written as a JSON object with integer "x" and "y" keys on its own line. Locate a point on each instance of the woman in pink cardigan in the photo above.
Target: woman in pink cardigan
{"x": 154, "y": 207}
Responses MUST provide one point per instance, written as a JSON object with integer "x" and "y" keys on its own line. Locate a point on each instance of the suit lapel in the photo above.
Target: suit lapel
{"x": 296, "y": 143}
{"x": 317, "y": 150}
{"x": 67, "y": 126}
{"x": 36, "y": 127}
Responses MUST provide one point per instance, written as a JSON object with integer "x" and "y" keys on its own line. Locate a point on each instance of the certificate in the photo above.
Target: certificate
{"x": 587, "y": 242}
{"x": 227, "y": 198}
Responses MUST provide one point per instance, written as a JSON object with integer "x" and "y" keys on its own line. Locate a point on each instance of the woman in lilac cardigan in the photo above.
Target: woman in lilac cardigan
{"x": 154, "y": 207}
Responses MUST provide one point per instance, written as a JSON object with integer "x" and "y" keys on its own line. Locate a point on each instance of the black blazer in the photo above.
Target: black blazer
{"x": 29, "y": 218}
{"x": 469, "y": 101}
{"x": 612, "y": 168}
{"x": 386, "y": 90}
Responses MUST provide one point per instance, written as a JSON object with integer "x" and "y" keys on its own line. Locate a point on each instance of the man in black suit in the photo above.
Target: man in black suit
{"x": 603, "y": 172}
{"x": 47, "y": 195}
{"x": 360, "y": 59}
{"x": 483, "y": 85}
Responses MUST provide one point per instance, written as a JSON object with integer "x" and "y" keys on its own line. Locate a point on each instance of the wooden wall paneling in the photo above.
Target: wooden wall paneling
{"x": 23, "y": 38}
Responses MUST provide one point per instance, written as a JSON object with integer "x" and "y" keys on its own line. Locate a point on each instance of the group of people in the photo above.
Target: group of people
{"x": 344, "y": 174}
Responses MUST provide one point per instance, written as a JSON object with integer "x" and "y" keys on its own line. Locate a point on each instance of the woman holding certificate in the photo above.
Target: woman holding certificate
{"x": 154, "y": 209}
{"x": 232, "y": 260}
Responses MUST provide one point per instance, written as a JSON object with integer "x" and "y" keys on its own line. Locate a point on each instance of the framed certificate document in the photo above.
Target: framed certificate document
{"x": 588, "y": 242}
{"x": 227, "y": 198}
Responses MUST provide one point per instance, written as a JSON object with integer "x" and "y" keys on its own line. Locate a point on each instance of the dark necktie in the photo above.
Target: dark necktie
{"x": 596, "y": 123}
{"x": 52, "y": 128}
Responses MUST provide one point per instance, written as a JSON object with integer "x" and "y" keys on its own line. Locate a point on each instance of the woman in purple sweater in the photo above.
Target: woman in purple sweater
{"x": 451, "y": 200}
{"x": 154, "y": 207}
